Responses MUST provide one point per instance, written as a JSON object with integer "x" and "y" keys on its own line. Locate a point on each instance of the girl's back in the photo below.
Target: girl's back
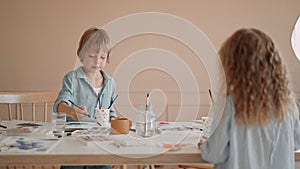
{"x": 260, "y": 123}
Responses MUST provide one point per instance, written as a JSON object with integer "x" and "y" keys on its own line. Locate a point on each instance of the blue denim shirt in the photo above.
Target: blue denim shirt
{"x": 77, "y": 87}
{"x": 233, "y": 146}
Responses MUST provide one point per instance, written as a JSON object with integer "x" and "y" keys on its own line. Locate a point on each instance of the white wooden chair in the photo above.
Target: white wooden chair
{"x": 17, "y": 102}
{"x": 14, "y": 106}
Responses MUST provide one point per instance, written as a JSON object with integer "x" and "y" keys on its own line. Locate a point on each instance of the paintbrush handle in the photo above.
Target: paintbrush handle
{"x": 112, "y": 102}
{"x": 212, "y": 100}
{"x": 78, "y": 107}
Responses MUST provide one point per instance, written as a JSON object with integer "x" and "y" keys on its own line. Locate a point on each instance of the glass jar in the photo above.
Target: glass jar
{"x": 145, "y": 121}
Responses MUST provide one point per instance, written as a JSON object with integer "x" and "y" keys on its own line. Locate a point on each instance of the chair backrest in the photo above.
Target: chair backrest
{"x": 19, "y": 99}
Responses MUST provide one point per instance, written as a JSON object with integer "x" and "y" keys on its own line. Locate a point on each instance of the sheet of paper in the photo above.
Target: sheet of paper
{"x": 24, "y": 144}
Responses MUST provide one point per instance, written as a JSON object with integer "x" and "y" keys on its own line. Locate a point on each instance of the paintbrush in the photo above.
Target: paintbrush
{"x": 112, "y": 102}
{"x": 210, "y": 95}
{"x": 78, "y": 107}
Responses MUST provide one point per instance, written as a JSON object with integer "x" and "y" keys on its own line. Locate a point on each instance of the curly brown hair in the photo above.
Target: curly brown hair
{"x": 257, "y": 77}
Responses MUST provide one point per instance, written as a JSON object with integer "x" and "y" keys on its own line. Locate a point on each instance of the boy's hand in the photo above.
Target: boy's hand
{"x": 80, "y": 113}
{"x": 202, "y": 140}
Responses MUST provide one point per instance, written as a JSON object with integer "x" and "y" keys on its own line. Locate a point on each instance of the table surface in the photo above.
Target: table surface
{"x": 118, "y": 149}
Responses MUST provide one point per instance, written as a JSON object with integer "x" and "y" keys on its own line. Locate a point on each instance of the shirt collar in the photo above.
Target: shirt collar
{"x": 80, "y": 74}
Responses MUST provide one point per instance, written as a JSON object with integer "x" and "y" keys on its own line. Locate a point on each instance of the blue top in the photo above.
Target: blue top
{"x": 239, "y": 147}
{"x": 77, "y": 87}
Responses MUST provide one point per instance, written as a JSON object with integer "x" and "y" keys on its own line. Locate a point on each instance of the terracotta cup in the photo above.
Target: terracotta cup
{"x": 120, "y": 125}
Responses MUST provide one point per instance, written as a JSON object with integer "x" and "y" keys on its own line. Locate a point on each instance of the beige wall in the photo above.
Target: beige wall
{"x": 38, "y": 39}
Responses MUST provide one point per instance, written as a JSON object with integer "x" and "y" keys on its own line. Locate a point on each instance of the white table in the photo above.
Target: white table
{"x": 70, "y": 151}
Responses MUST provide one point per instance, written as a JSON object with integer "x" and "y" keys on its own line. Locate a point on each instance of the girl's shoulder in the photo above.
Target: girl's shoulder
{"x": 230, "y": 99}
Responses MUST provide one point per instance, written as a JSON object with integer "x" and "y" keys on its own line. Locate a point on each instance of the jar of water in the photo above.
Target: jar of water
{"x": 145, "y": 121}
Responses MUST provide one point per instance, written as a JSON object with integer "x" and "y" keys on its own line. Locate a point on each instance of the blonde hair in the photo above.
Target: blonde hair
{"x": 256, "y": 76}
{"x": 94, "y": 37}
